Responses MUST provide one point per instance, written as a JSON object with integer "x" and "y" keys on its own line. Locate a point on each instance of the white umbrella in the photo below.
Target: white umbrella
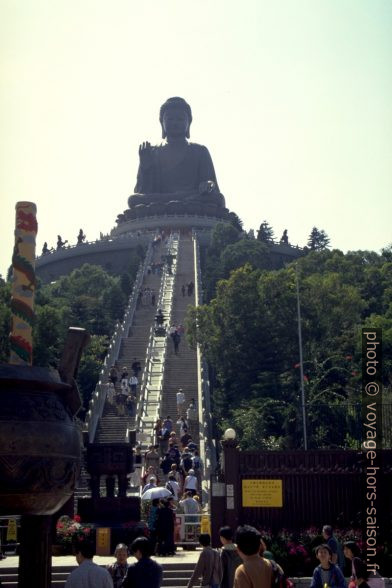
{"x": 158, "y": 492}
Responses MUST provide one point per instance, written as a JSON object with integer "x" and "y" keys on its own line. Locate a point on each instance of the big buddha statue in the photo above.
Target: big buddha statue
{"x": 177, "y": 176}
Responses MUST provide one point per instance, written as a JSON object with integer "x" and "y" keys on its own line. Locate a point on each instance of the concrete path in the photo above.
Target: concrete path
{"x": 189, "y": 557}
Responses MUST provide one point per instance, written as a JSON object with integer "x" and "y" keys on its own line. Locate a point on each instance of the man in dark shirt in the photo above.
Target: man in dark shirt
{"x": 334, "y": 545}
{"x": 146, "y": 572}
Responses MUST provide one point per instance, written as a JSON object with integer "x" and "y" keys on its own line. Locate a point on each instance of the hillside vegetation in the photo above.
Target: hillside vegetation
{"x": 248, "y": 332}
{"x": 89, "y": 298}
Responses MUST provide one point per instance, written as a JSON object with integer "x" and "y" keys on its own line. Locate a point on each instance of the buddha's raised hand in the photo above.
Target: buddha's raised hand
{"x": 146, "y": 155}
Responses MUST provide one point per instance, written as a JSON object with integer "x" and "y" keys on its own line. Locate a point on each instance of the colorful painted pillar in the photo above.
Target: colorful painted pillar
{"x": 23, "y": 286}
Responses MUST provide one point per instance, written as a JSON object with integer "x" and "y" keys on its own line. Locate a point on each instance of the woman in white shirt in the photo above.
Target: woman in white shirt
{"x": 190, "y": 484}
{"x": 183, "y": 426}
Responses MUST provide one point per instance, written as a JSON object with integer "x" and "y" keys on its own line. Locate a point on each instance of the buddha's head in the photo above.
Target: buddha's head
{"x": 175, "y": 117}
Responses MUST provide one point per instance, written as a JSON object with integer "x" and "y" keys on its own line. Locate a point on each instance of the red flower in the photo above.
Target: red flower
{"x": 77, "y": 518}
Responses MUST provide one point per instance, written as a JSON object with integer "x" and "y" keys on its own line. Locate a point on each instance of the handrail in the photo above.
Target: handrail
{"x": 156, "y": 342}
{"x": 97, "y": 401}
{"x": 143, "y": 381}
{"x": 205, "y": 416}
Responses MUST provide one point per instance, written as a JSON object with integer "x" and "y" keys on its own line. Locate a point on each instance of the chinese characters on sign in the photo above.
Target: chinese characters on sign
{"x": 265, "y": 493}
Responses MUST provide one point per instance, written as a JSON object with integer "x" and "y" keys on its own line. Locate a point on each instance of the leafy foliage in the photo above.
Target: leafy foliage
{"x": 89, "y": 298}
{"x": 249, "y": 334}
{"x": 265, "y": 233}
{"x": 318, "y": 240}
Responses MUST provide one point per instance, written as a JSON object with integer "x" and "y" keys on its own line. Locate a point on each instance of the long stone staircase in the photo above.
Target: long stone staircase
{"x": 181, "y": 369}
{"x": 112, "y": 427}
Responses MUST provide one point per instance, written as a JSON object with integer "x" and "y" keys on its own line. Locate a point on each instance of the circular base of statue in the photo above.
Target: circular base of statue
{"x": 146, "y": 205}
{"x": 40, "y": 443}
{"x": 167, "y": 222}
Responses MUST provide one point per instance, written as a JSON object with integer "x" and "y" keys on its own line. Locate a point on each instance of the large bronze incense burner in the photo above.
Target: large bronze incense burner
{"x": 39, "y": 441}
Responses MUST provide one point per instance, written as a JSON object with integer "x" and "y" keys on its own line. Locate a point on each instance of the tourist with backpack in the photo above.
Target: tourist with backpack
{"x": 230, "y": 558}
{"x": 208, "y": 567}
{"x": 196, "y": 462}
{"x": 173, "y": 486}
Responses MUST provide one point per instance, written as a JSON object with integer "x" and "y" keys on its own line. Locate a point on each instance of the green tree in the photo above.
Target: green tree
{"x": 91, "y": 365}
{"x": 222, "y": 236}
{"x": 318, "y": 240}
{"x": 243, "y": 252}
{"x": 259, "y": 425}
{"x": 48, "y": 335}
{"x": 249, "y": 334}
{"x": 235, "y": 220}
{"x": 265, "y": 233}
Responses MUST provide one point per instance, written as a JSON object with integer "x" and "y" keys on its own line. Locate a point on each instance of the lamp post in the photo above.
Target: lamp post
{"x": 229, "y": 435}
{"x": 301, "y": 362}
{"x": 230, "y": 466}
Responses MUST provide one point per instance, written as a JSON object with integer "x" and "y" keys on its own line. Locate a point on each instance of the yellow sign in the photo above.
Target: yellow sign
{"x": 262, "y": 493}
{"x": 11, "y": 530}
{"x": 205, "y": 525}
{"x": 103, "y": 541}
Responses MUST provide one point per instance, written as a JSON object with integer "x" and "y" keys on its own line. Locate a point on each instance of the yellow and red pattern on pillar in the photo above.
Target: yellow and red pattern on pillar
{"x": 23, "y": 286}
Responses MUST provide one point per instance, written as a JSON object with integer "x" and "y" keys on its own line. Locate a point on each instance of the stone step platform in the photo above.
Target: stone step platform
{"x": 175, "y": 574}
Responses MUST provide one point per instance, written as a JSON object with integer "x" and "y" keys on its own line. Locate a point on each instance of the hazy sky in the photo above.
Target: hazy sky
{"x": 293, "y": 98}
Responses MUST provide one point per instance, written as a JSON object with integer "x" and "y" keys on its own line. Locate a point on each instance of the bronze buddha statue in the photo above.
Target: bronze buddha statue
{"x": 176, "y": 171}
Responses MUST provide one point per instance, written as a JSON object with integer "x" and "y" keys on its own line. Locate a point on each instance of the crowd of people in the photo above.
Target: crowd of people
{"x": 146, "y": 297}
{"x": 124, "y": 399}
{"x": 245, "y": 563}
{"x": 171, "y": 461}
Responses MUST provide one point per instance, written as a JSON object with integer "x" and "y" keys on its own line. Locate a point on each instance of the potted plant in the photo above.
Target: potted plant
{"x": 70, "y": 532}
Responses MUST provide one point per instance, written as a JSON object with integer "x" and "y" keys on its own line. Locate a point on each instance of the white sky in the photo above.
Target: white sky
{"x": 293, "y": 98}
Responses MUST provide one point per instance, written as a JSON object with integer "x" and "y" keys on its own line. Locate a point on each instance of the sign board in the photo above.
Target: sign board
{"x": 262, "y": 493}
{"x": 229, "y": 489}
{"x": 230, "y": 502}
{"x": 218, "y": 489}
{"x": 205, "y": 525}
{"x": 11, "y": 530}
{"x": 103, "y": 541}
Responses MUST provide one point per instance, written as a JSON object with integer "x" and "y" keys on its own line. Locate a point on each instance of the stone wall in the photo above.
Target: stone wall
{"x": 111, "y": 254}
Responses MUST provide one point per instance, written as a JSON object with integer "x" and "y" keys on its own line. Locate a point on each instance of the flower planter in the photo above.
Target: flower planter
{"x": 58, "y": 550}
